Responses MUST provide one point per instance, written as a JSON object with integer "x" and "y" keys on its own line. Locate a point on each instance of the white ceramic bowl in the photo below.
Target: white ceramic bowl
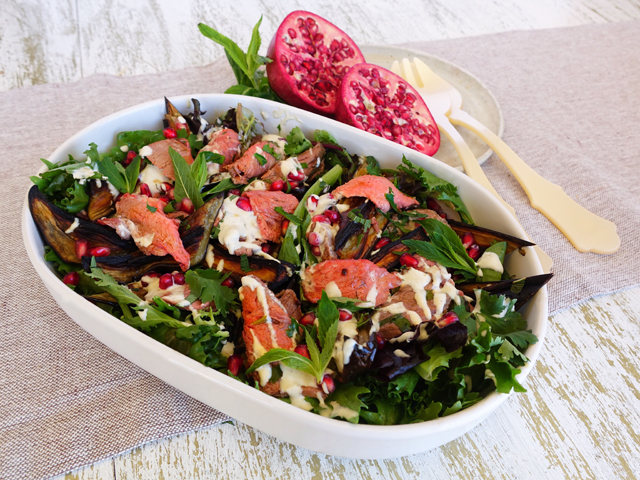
{"x": 240, "y": 401}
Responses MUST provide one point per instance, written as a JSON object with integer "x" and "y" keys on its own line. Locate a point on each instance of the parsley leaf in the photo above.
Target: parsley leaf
{"x": 244, "y": 263}
{"x": 206, "y": 285}
{"x": 346, "y": 395}
{"x": 212, "y": 157}
{"x": 296, "y": 142}
{"x": 373, "y": 168}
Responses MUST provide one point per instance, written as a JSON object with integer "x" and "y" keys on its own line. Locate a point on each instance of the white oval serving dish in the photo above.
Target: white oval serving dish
{"x": 238, "y": 400}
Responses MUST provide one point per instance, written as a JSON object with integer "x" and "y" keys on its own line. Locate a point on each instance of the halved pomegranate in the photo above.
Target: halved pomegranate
{"x": 309, "y": 58}
{"x": 378, "y": 101}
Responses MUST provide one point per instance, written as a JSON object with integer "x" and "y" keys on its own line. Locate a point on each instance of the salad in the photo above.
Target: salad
{"x": 347, "y": 290}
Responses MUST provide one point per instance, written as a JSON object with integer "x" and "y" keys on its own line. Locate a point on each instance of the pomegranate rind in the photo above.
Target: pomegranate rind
{"x": 327, "y": 61}
{"x": 383, "y": 103}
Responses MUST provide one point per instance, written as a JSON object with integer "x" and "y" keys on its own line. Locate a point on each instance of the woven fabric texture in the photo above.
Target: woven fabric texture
{"x": 571, "y": 102}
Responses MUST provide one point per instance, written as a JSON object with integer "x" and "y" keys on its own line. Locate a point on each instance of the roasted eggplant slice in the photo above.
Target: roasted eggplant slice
{"x": 349, "y": 238}
{"x": 196, "y": 228}
{"x": 522, "y": 289}
{"x": 173, "y": 117}
{"x": 53, "y": 222}
{"x": 485, "y": 237}
{"x": 386, "y": 256}
{"x": 101, "y": 202}
{"x": 275, "y": 273}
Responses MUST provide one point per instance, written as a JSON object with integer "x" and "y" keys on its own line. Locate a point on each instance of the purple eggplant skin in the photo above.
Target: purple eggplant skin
{"x": 506, "y": 287}
{"x": 52, "y": 223}
{"x": 485, "y": 237}
{"x": 172, "y": 115}
{"x": 386, "y": 256}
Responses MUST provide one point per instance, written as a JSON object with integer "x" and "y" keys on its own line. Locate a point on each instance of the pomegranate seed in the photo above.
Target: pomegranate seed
{"x": 71, "y": 278}
{"x": 447, "y": 318}
{"x": 145, "y": 190}
{"x": 130, "y": 156}
{"x": 293, "y": 185}
{"x": 100, "y": 252}
{"x": 321, "y": 219}
{"x": 308, "y": 319}
{"x": 244, "y": 204}
{"x": 328, "y": 385}
{"x": 181, "y": 126}
{"x": 169, "y": 133}
{"x": 296, "y": 176}
{"x": 285, "y": 226}
{"x": 166, "y": 281}
{"x": 152, "y": 274}
{"x": 234, "y": 191}
{"x": 81, "y": 248}
{"x": 408, "y": 260}
{"x": 474, "y": 251}
{"x": 178, "y": 278}
{"x": 332, "y": 216}
{"x": 266, "y": 248}
{"x": 234, "y": 364}
{"x": 442, "y": 215}
{"x": 433, "y": 205}
{"x": 314, "y": 199}
{"x": 380, "y": 341}
{"x": 186, "y": 205}
{"x": 381, "y": 243}
{"x": 314, "y": 239}
{"x": 468, "y": 240}
{"x": 316, "y": 251}
{"x": 345, "y": 315}
{"x": 302, "y": 350}
{"x": 277, "y": 186}
{"x": 168, "y": 188}
{"x": 164, "y": 198}
{"x": 228, "y": 282}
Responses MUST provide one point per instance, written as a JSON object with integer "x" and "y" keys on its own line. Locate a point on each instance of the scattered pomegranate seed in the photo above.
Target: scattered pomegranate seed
{"x": 293, "y": 185}
{"x": 234, "y": 364}
{"x": 442, "y": 215}
{"x": 152, "y": 274}
{"x": 296, "y": 176}
{"x": 302, "y": 350}
{"x": 380, "y": 341}
{"x": 474, "y": 251}
{"x": 408, "y": 260}
{"x": 228, "y": 282}
{"x": 285, "y": 226}
{"x": 179, "y": 279}
{"x": 328, "y": 385}
{"x": 186, "y": 205}
{"x": 447, "y": 318}
{"x": 244, "y": 204}
{"x": 381, "y": 243}
{"x": 168, "y": 188}
{"x": 277, "y": 186}
{"x": 308, "y": 319}
{"x": 468, "y": 240}
{"x": 316, "y": 251}
{"x": 169, "y": 133}
{"x": 266, "y": 248}
{"x": 321, "y": 219}
{"x": 145, "y": 190}
{"x": 433, "y": 205}
{"x": 332, "y": 216}
{"x": 314, "y": 239}
{"x": 130, "y": 156}
{"x": 99, "y": 252}
{"x": 81, "y": 248}
{"x": 345, "y": 315}
{"x": 234, "y": 191}
{"x": 166, "y": 281}
{"x": 164, "y": 198}
{"x": 181, "y": 126}
{"x": 71, "y": 278}
{"x": 314, "y": 199}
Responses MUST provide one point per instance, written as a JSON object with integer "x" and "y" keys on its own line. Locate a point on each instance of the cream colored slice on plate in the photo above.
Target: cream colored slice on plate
{"x": 477, "y": 100}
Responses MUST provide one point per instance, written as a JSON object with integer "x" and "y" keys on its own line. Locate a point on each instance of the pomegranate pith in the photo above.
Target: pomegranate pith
{"x": 310, "y": 56}
{"x": 378, "y": 101}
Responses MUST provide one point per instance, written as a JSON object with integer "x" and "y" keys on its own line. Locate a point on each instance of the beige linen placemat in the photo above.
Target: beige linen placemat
{"x": 571, "y": 102}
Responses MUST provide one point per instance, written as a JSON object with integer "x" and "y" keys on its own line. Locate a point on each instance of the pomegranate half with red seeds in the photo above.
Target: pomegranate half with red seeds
{"x": 378, "y": 101}
{"x": 309, "y": 58}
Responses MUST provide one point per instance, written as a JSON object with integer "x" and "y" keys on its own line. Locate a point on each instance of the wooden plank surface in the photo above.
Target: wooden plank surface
{"x": 580, "y": 417}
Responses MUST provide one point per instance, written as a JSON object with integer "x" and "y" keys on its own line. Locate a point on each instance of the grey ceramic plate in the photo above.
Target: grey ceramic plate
{"x": 477, "y": 100}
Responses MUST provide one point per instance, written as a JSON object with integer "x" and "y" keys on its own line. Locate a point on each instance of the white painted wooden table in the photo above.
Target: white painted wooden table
{"x": 579, "y": 426}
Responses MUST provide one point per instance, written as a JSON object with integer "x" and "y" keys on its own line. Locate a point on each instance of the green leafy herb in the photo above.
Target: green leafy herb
{"x": 244, "y": 263}
{"x": 261, "y": 159}
{"x": 296, "y": 142}
{"x": 206, "y": 285}
{"x": 444, "y": 247}
{"x": 289, "y": 216}
{"x": 346, "y": 395}
{"x": 152, "y": 209}
{"x": 269, "y": 149}
{"x": 187, "y": 179}
{"x": 437, "y": 187}
{"x": 222, "y": 186}
{"x": 211, "y": 157}
{"x": 356, "y": 217}
{"x": 373, "y": 168}
{"x": 438, "y": 360}
{"x": 246, "y": 66}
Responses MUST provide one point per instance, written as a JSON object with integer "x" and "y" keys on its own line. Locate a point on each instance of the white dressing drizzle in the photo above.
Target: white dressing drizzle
{"x": 491, "y": 261}
{"x": 154, "y": 178}
{"x": 238, "y": 228}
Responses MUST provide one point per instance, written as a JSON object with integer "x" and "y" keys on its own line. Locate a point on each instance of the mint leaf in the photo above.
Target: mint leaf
{"x": 292, "y": 218}
{"x": 328, "y": 315}
{"x": 212, "y": 157}
{"x": 186, "y": 186}
{"x": 206, "y": 285}
{"x": 290, "y": 359}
